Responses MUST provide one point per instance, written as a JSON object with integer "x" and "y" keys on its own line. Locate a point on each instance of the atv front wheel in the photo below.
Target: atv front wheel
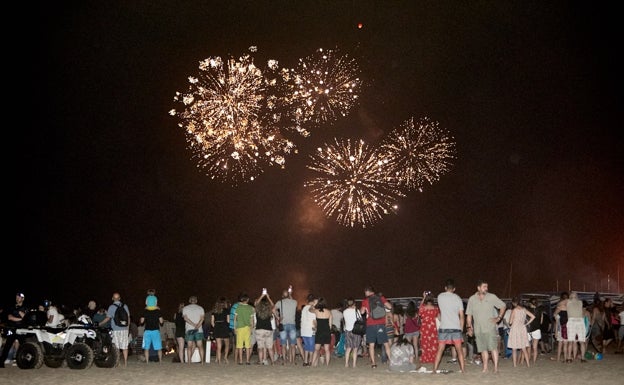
{"x": 29, "y": 356}
{"x": 79, "y": 356}
{"x": 108, "y": 357}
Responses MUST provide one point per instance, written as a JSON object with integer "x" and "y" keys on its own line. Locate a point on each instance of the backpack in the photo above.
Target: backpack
{"x": 121, "y": 315}
{"x": 377, "y": 308}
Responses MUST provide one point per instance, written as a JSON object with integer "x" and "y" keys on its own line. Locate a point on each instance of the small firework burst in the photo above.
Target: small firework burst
{"x": 418, "y": 152}
{"x": 354, "y": 186}
{"x": 324, "y": 86}
{"x": 226, "y": 121}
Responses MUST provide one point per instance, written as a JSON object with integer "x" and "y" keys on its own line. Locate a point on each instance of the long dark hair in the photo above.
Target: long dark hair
{"x": 321, "y": 305}
{"x": 220, "y": 305}
{"x": 411, "y": 309}
{"x": 401, "y": 340}
{"x": 263, "y": 310}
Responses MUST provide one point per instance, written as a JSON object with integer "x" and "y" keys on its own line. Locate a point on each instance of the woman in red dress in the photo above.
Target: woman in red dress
{"x": 428, "y": 313}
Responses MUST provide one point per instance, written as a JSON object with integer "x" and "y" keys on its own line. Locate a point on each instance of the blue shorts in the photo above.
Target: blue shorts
{"x": 152, "y": 337}
{"x": 450, "y": 336}
{"x": 308, "y": 344}
{"x": 376, "y": 334}
{"x": 288, "y": 334}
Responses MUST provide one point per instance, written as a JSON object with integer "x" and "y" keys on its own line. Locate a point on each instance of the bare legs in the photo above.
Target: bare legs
{"x": 317, "y": 350}
{"x": 414, "y": 341}
{"x": 485, "y": 357}
{"x": 355, "y": 356}
{"x": 534, "y": 347}
{"x": 180, "y": 341}
{"x": 220, "y": 343}
{"x": 146, "y": 352}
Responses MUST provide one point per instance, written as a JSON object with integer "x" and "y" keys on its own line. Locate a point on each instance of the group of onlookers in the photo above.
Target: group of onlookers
{"x": 410, "y": 338}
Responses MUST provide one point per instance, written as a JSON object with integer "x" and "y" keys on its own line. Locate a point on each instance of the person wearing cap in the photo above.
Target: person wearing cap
{"x": 15, "y": 319}
{"x": 152, "y": 320}
{"x": 151, "y": 301}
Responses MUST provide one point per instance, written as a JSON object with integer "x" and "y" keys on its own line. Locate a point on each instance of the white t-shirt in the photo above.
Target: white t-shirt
{"x": 287, "y": 308}
{"x": 56, "y": 317}
{"x": 194, "y": 313}
{"x": 350, "y": 316}
{"x": 450, "y": 305}
{"x": 307, "y": 322}
{"x": 337, "y": 317}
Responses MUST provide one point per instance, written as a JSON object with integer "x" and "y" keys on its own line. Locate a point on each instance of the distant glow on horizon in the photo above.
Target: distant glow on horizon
{"x": 355, "y": 186}
{"x": 418, "y": 153}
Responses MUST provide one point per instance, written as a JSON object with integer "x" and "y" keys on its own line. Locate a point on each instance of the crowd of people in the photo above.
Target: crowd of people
{"x": 410, "y": 338}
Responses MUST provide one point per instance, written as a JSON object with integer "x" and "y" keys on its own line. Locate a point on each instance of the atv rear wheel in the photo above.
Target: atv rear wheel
{"x": 29, "y": 355}
{"x": 108, "y": 358}
{"x": 79, "y": 356}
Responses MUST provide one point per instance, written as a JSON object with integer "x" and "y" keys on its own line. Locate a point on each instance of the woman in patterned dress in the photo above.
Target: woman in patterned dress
{"x": 428, "y": 313}
{"x": 518, "y": 335}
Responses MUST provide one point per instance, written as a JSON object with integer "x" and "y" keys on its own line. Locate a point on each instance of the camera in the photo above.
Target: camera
{"x": 264, "y": 290}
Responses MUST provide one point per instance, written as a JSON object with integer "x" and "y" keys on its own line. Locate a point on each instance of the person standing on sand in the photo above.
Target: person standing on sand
{"x": 243, "y": 325}
{"x": 194, "y": 317}
{"x": 287, "y": 310}
{"x": 429, "y": 314}
{"x": 120, "y": 333}
{"x": 484, "y": 311}
{"x": 561, "y": 312}
{"x": 220, "y": 321}
{"x": 180, "y": 331}
{"x": 153, "y": 320}
{"x": 375, "y": 328}
{"x": 576, "y": 327}
{"x": 322, "y": 327}
{"x": 518, "y": 336}
{"x": 352, "y": 341}
{"x": 308, "y": 330}
{"x": 451, "y": 324}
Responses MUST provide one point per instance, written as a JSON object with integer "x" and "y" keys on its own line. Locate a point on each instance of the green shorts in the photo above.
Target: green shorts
{"x": 487, "y": 341}
{"x": 194, "y": 335}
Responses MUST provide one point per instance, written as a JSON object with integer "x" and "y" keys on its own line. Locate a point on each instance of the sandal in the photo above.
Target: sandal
{"x": 373, "y": 366}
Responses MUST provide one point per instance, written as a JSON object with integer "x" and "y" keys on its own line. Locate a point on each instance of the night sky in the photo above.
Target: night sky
{"x": 109, "y": 198}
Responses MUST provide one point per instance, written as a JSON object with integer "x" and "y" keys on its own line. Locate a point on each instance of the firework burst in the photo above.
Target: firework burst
{"x": 355, "y": 186}
{"x": 418, "y": 152}
{"x": 324, "y": 86}
{"x": 227, "y": 120}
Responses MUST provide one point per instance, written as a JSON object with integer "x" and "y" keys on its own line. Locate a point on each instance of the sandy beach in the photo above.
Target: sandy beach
{"x": 609, "y": 370}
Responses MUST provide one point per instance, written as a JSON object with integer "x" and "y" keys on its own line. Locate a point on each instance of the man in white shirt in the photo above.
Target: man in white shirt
{"x": 194, "y": 333}
{"x": 307, "y": 329}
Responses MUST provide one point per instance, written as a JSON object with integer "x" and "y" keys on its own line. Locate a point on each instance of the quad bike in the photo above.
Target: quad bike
{"x": 79, "y": 345}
